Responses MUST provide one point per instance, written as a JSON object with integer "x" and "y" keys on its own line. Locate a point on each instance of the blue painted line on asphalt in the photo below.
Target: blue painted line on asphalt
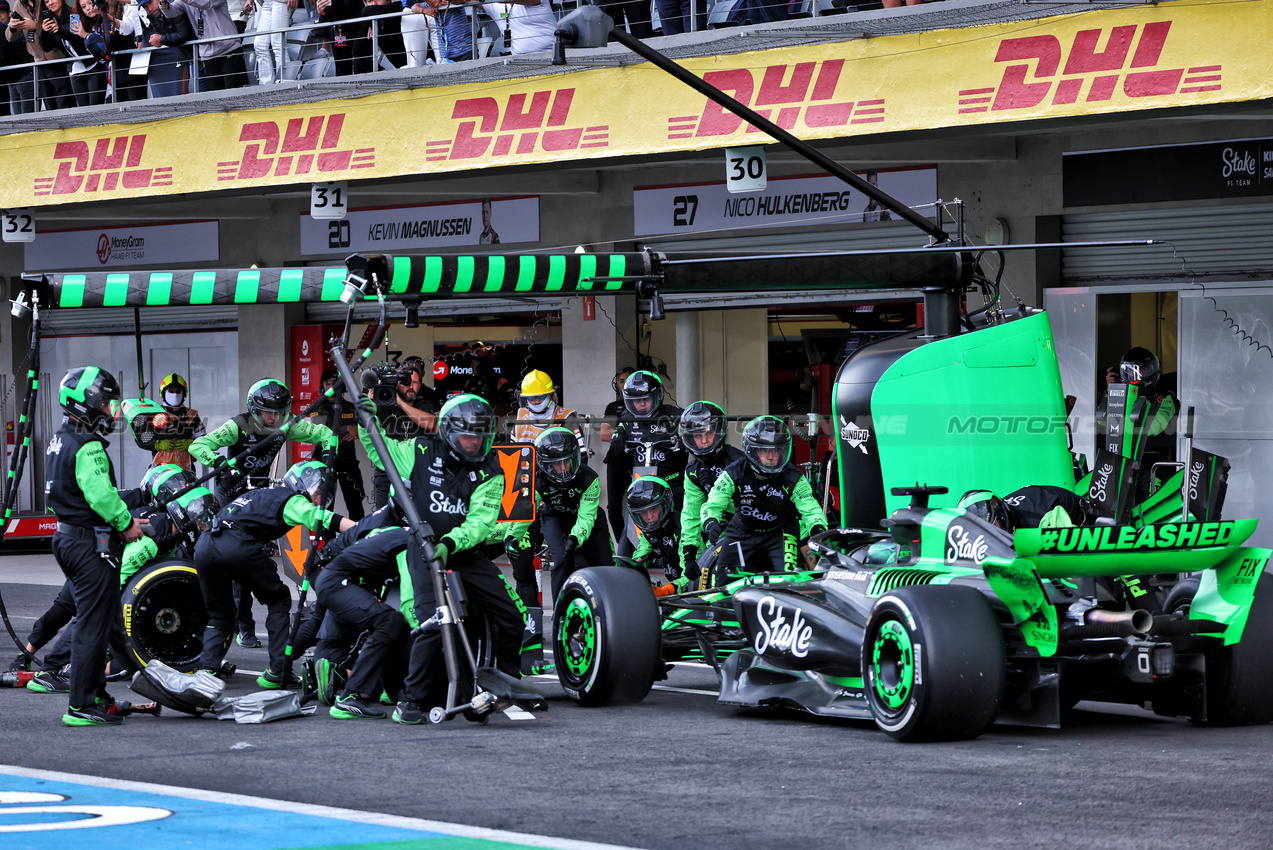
{"x": 86, "y": 813}
{"x": 47, "y": 810}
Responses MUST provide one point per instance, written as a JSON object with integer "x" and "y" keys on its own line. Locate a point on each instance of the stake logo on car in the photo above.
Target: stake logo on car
{"x": 961, "y": 545}
{"x": 778, "y": 634}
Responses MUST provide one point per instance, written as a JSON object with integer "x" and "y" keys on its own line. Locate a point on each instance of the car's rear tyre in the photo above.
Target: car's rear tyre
{"x": 933, "y": 663}
{"x": 606, "y": 641}
{"x": 1240, "y": 677}
{"x": 164, "y": 616}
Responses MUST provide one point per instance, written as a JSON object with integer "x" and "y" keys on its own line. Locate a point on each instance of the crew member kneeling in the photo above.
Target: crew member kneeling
{"x": 456, "y": 485}
{"x": 231, "y": 551}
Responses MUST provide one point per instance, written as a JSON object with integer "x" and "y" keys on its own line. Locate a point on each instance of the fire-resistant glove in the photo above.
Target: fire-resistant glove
{"x": 713, "y": 529}
{"x": 443, "y": 553}
{"x": 689, "y": 569}
{"x": 572, "y": 546}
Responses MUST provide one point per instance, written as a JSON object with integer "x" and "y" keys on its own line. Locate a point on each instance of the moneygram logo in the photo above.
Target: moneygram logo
{"x": 112, "y": 163}
{"x": 801, "y": 93}
{"x": 301, "y": 147}
{"x": 1128, "y": 61}
{"x": 516, "y": 127}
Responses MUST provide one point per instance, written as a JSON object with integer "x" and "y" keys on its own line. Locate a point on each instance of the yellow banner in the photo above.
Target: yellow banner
{"x": 1139, "y": 58}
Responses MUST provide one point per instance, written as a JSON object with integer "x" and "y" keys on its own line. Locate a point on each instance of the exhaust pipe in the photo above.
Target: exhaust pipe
{"x": 1099, "y": 623}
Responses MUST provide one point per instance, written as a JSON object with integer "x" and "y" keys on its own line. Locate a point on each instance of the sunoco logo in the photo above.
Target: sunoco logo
{"x": 853, "y": 435}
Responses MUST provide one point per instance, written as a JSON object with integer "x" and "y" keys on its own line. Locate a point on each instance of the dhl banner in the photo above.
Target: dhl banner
{"x": 1105, "y": 61}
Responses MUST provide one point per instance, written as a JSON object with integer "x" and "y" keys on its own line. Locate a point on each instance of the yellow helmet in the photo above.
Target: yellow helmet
{"x": 537, "y": 391}
{"x": 537, "y": 383}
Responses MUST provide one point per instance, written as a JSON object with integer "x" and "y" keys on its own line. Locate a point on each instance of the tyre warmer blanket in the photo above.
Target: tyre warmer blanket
{"x": 262, "y": 707}
{"x": 190, "y": 693}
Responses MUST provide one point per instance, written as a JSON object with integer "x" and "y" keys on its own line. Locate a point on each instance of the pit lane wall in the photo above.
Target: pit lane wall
{"x": 1099, "y": 62}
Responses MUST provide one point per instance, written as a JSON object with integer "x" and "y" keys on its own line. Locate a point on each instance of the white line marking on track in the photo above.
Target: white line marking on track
{"x": 375, "y": 818}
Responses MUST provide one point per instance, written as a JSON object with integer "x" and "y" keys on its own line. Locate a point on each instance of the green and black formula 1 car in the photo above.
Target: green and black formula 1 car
{"x": 943, "y": 623}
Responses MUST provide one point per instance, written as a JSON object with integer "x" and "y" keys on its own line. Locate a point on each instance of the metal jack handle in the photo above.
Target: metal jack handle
{"x": 420, "y": 529}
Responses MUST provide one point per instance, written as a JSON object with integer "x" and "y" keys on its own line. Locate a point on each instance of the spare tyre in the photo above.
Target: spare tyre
{"x": 164, "y": 616}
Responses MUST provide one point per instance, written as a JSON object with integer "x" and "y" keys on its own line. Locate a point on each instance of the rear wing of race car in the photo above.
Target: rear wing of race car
{"x": 1220, "y": 607}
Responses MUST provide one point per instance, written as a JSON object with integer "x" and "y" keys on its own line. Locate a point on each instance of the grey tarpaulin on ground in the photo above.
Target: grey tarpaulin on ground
{"x": 191, "y": 693}
{"x": 262, "y": 707}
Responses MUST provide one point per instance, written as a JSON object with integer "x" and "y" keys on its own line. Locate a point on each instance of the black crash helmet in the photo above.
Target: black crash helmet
{"x": 307, "y": 477}
{"x": 761, "y": 437}
{"x": 649, "y": 502}
{"x": 703, "y": 417}
{"x": 192, "y": 513}
{"x": 467, "y": 415}
{"x": 1140, "y": 366}
{"x": 270, "y": 396}
{"x": 638, "y": 387}
{"x": 986, "y": 506}
{"x": 557, "y": 454}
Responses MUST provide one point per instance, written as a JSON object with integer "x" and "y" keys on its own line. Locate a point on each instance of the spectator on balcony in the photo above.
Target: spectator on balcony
{"x": 221, "y": 64}
{"x": 450, "y": 34}
{"x": 272, "y": 61}
{"x": 388, "y": 38}
{"x": 416, "y": 30}
{"x": 635, "y": 12}
{"x": 674, "y": 15}
{"x": 119, "y": 29}
{"x": 165, "y": 28}
{"x": 21, "y": 94}
{"x": 54, "y": 86}
{"x": 342, "y": 36}
{"x": 67, "y": 26}
{"x": 763, "y": 11}
{"x": 528, "y": 26}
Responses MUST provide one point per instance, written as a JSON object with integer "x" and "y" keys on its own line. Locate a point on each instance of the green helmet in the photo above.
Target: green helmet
{"x": 307, "y": 477}
{"x": 467, "y": 415}
{"x": 162, "y": 482}
{"x": 270, "y": 396}
{"x": 90, "y": 395}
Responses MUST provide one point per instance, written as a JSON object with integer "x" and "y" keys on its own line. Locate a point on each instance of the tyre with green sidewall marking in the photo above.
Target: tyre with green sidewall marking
{"x": 606, "y": 641}
{"x": 164, "y": 616}
{"x": 933, "y": 663}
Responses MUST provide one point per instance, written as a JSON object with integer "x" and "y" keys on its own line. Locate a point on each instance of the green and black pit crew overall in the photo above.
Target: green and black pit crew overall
{"x": 348, "y": 590}
{"x": 700, "y": 475}
{"x": 231, "y": 551}
{"x": 80, "y": 490}
{"x": 460, "y": 501}
{"x": 771, "y": 515}
{"x": 566, "y": 509}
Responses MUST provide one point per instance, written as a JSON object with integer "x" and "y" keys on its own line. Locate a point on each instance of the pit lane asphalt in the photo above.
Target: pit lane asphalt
{"x": 679, "y": 771}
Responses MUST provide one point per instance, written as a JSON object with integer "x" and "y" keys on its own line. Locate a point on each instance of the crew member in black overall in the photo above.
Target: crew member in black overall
{"x": 456, "y": 485}
{"x": 649, "y": 423}
{"x": 773, "y": 505}
{"x": 348, "y": 590}
{"x": 704, "y": 434}
{"x": 568, "y": 494}
{"x": 81, "y": 491}
{"x": 649, "y": 504}
{"x": 269, "y": 413}
{"x": 232, "y": 551}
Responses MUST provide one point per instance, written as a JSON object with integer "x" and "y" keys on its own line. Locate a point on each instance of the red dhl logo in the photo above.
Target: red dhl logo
{"x": 535, "y": 122}
{"x": 112, "y": 163}
{"x": 1087, "y": 66}
{"x": 809, "y": 86}
{"x": 300, "y": 147}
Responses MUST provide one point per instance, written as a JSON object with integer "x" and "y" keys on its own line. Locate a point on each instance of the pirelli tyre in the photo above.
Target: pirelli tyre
{"x": 1240, "y": 677}
{"x": 164, "y": 616}
{"x": 606, "y": 642}
{"x": 933, "y": 663}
